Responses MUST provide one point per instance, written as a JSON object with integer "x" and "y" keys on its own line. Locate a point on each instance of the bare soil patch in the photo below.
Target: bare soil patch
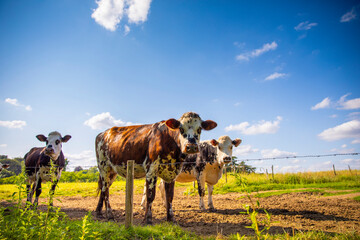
{"x": 302, "y": 211}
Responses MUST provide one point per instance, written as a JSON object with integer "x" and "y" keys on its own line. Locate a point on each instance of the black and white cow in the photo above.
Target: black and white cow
{"x": 205, "y": 167}
{"x": 38, "y": 163}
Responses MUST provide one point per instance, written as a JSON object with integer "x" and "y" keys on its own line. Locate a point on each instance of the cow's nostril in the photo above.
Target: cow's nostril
{"x": 50, "y": 146}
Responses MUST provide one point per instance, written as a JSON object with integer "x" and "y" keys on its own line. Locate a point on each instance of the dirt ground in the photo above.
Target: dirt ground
{"x": 301, "y": 211}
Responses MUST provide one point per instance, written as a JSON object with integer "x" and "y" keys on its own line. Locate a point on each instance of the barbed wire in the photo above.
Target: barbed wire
{"x": 259, "y": 159}
{"x": 299, "y": 156}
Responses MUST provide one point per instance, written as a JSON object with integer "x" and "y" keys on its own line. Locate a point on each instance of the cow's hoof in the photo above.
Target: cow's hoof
{"x": 99, "y": 215}
{"x": 147, "y": 221}
{"x": 212, "y": 209}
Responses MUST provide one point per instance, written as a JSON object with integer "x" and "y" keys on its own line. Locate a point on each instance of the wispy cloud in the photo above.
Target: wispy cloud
{"x": 275, "y": 75}
{"x": 274, "y": 153}
{"x": 349, "y": 129}
{"x": 349, "y": 16}
{"x": 3, "y": 145}
{"x": 15, "y": 102}
{"x": 126, "y": 30}
{"x": 325, "y": 103}
{"x": 84, "y": 159}
{"x": 110, "y": 12}
{"x": 341, "y": 104}
{"x": 244, "y": 150}
{"x": 348, "y": 104}
{"x": 262, "y": 127}
{"x": 304, "y": 26}
{"x": 104, "y": 120}
{"x": 13, "y": 124}
{"x": 257, "y": 52}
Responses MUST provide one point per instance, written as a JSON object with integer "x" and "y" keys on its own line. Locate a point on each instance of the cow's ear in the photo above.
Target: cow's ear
{"x": 208, "y": 124}
{"x": 236, "y": 142}
{"x": 172, "y": 123}
{"x": 41, "y": 138}
{"x": 66, "y": 138}
{"x": 214, "y": 142}
{"x": 5, "y": 165}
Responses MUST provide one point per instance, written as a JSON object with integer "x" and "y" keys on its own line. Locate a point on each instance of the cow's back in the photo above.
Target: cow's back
{"x": 31, "y": 159}
{"x": 119, "y": 144}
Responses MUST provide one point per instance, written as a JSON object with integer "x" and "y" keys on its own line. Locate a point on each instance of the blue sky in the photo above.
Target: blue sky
{"x": 282, "y": 76}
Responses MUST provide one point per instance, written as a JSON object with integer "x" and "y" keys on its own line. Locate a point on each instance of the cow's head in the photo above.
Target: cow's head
{"x": 53, "y": 143}
{"x": 189, "y": 127}
{"x": 224, "y": 147}
{"x": 3, "y": 166}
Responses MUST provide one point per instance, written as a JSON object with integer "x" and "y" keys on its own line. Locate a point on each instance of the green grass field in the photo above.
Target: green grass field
{"x": 28, "y": 224}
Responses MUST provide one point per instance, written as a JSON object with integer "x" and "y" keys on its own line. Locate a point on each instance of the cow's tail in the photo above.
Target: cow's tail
{"x": 100, "y": 185}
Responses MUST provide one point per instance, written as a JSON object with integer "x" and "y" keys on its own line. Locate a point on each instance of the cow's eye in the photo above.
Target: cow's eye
{"x": 199, "y": 131}
{"x": 57, "y": 142}
{"x": 181, "y": 130}
{"x": 231, "y": 147}
{"x": 185, "y": 135}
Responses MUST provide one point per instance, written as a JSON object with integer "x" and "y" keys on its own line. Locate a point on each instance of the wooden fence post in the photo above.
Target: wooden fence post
{"x": 350, "y": 169}
{"x": 129, "y": 200}
{"x": 225, "y": 174}
{"x": 272, "y": 172}
{"x": 334, "y": 169}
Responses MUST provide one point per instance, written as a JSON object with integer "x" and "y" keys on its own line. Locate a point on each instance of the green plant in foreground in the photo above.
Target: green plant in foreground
{"x": 253, "y": 215}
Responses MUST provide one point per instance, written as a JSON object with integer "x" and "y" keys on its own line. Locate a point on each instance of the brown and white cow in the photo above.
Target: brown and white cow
{"x": 3, "y": 166}
{"x": 158, "y": 150}
{"x": 205, "y": 167}
{"x": 38, "y": 164}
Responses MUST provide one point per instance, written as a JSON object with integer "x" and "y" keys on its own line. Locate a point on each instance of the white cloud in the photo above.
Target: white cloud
{"x": 257, "y": 52}
{"x": 351, "y": 160}
{"x": 15, "y": 102}
{"x": 85, "y": 159}
{"x": 110, "y": 12}
{"x": 343, "y": 150}
{"x": 3, "y": 145}
{"x": 276, "y": 153}
{"x": 13, "y": 124}
{"x": 325, "y": 103}
{"x": 243, "y": 150}
{"x": 356, "y": 141}
{"x": 275, "y": 75}
{"x": 237, "y": 104}
{"x": 262, "y": 127}
{"x": 333, "y": 116}
{"x": 126, "y": 30}
{"x": 347, "y": 17}
{"x": 303, "y": 26}
{"x": 348, "y": 104}
{"x": 295, "y": 168}
{"x": 349, "y": 129}
{"x": 105, "y": 120}
{"x": 138, "y": 10}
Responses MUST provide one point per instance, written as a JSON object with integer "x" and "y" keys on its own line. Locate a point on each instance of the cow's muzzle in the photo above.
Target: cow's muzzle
{"x": 227, "y": 159}
{"x": 191, "y": 148}
{"x": 49, "y": 151}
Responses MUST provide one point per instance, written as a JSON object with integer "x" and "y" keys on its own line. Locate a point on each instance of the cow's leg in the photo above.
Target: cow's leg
{"x": 37, "y": 190}
{"x": 201, "y": 189}
{"x": 53, "y": 186}
{"x": 162, "y": 192}
{"x": 143, "y": 200}
{"x": 101, "y": 198}
{"x": 111, "y": 178}
{"x": 29, "y": 193}
{"x": 104, "y": 185}
{"x": 210, "y": 201}
{"x": 150, "y": 196}
{"x": 169, "y": 190}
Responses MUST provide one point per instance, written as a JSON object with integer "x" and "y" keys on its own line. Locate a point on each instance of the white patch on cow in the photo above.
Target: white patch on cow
{"x": 54, "y": 142}
{"x": 190, "y": 127}
{"x": 153, "y": 172}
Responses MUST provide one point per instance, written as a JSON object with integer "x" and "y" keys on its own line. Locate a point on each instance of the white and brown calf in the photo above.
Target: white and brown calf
{"x": 205, "y": 167}
{"x": 38, "y": 163}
